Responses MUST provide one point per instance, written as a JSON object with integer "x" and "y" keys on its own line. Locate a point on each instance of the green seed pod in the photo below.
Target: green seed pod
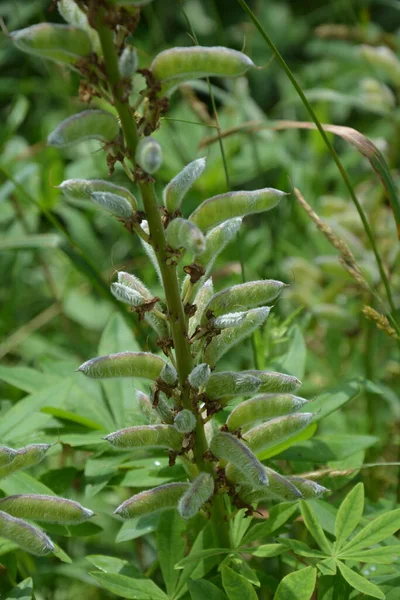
{"x": 144, "y": 403}
{"x": 126, "y": 295}
{"x": 199, "y": 376}
{"x": 124, "y": 364}
{"x": 185, "y": 421}
{"x": 116, "y": 205}
{"x": 181, "y": 233}
{"x": 25, "y": 457}
{"x": 263, "y": 407}
{"x": 277, "y": 430}
{"x": 128, "y": 62}
{"x": 229, "y": 320}
{"x": 82, "y": 189}
{"x": 27, "y": 536}
{"x": 185, "y": 63}
{"x": 252, "y": 320}
{"x": 164, "y": 411}
{"x": 149, "y": 251}
{"x": 159, "y": 498}
{"x": 87, "y": 125}
{"x": 168, "y": 374}
{"x": 72, "y": 14}
{"x": 275, "y": 383}
{"x": 135, "y": 284}
{"x": 201, "y": 300}
{"x": 45, "y": 508}
{"x": 59, "y": 43}
{"x": 7, "y": 455}
{"x": 149, "y": 155}
{"x": 309, "y": 489}
{"x": 177, "y": 188}
{"x": 278, "y": 487}
{"x": 220, "y": 208}
{"x": 242, "y": 296}
{"x": 385, "y": 60}
{"x": 216, "y": 240}
{"x": 147, "y": 436}
{"x": 200, "y": 490}
{"x": 227, "y": 447}
{"x": 228, "y": 383}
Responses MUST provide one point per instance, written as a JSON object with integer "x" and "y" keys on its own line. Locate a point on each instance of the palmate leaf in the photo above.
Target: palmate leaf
{"x": 170, "y": 547}
{"x": 313, "y": 526}
{"x": 278, "y": 516}
{"x": 200, "y": 589}
{"x": 349, "y": 515}
{"x": 373, "y": 533}
{"x": 127, "y": 587}
{"x": 298, "y": 585}
{"x": 383, "y": 555}
{"x": 236, "y": 586}
{"x": 360, "y": 583}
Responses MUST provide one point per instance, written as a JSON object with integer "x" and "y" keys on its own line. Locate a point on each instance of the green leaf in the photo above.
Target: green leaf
{"x": 373, "y": 533}
{"x": 22, "y": 591}
{"x": 170, "y": 546}
{"x": 266, "y": 550}
{"x": 360, "y": 583}
{"x": 22, "y": 483}
{"x": 289, "y": 442}
{"x": 127, "y": 587}
{"x": 327, "y": 403}
{"x": 25, "y": 242}
{"x": 278, "y": 516}
{"x": 329, "y": 447}
{"x": 313, "y": 526}
{"x": 298, "y": 585}
{"x": 136, "y": 528}
{"x": 349, "y": 515}
{"x": 294, "y": 362}
{"x": 84, "y": 530}
{"x": 67, "y": 415}
{"x": 301, "y": 548}
{"x": 235, "y": 586}
{"x": 200, "y": 590}
{"x": 383, "y": 555}
{"x": 327, "y": 566}
{"x": 195, "y": 557}
{"x": 61, "y": 555}
{"x": 27, "y": 379}
{"x": 110, "y": 564}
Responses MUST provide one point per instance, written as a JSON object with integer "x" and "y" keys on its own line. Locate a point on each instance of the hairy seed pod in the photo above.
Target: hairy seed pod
{"x": 25, "y": 457}
{"x": 59, "y": 43}
{"x": 275, "y": 383}
{"x": 309, "y": 489}
{"x": 114, "y": 204}
{"x": 263, "y": 407}
{"x": 124, "y": 364}
{"x": 159, "y": 498}
{"x": 184, "y": 63}
{"x": 278, "y": 488}
{"x": 229, "y": 320}
{"x": 177, "y": 188}
{"x": 227, "y": 447}
{"x": 87, "y": 125}
{"x": 241, "y": 297}
{"x": 126, "y": 295}
{"x": 82, "y": 189}
{"x": 149, "y": 155}
{"x": 252, "y": 320}
{"x": 228, "y": 383}
{"x": 147, "y": 436}
{"x": 216, "y": 240}
{"x": 185, "y": 421}
{"x": 181, "y": 233}
{"x": 220, "y": 208}
{"x": 7, "y": 455}
{"x": 199, "y": 376}
{"x": 201, "y": 300}
{"x": 168, "y": 374}
{"x": 200, "y": 490}
{"x": 72, "y": 14}
{"x": 277, "y": 430}
{"x": 164, "y": 410}
{"x": 135, "y": 284}
{"x": 27, "y": 536}
{"x": 45, "y": 508}
{"x": 128, "y": 62}
{"x": 148, "y": 248}
{"x": 144, "y": 403}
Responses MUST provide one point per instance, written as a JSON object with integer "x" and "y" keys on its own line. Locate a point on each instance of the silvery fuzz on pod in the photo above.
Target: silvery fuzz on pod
{"x": 229, "y": 383}
{"x": 45, "y": 508}
{"x": 198, "y": 493}
{"x": 277, "y": 430}
{"x": 124, "y": 364}
{"x": 27, "y": 536}
{"x": 168, "y": 374}
{"x": 116, "y": 205}
{"x": 147, "y": 436}
{"x": 149, "y": 155}
{"x": 199, "y": 376}
{"x": 128, "y": 62}
{"x": 181, "y": 233}
{"x": 160, "y": 498}
{"x": 227, "y": 447}
{"x": 82, "y": 189}
{"x": 25, "y": 457}
{"x": 185, "y": 421}
{"x": 216, "y": 240}
{"x": 278, "y": 488}
{"x": 178, "y": 187}
{"x": 263, "y": 407}
{"x": 87, "y": 125}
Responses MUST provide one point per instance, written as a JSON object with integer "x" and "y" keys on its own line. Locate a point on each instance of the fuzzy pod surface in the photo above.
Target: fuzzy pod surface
{"x": 7, "y": 455}
{"x": 229, "y": 383}
{"x": 116, "y": 205}
{"x": 159, "y": 498}
{"x": 127, "y": 295}
{"x": 216, "y": 240}
{"x": 45, "y": 508}
{"x": 149, "y": 154}
{"x": 133, "y": 282}
{"x": 200, "y": 375}
{"x": 185, "y": 421}
{"x": 27, "y": 536}
{"x": 124, "y": 364}
{"x": 263, "y": 407}
{"x": 86, "y": 125}
{"x": 128, "y": 62}
{"x": 198, "y": 493}
{"x": 227, "y": 447}
{"x": 278, "y": 488}
{"x": 181, "y": 233}
{"x": 25, "y": 457}
{"x": 308, "y": 487}
{"x": 220, "y": 208}
{"x": 275, "y": 383}
{"x": 169, "y": 374}
{"x": 72, "y": 14}
{"x": 82, "y": 189}
{"x": 201, "y": 300}
{"x": 277, "y": 430}
{"x": 147, "y": 436}
{"x": 178, "y": 187}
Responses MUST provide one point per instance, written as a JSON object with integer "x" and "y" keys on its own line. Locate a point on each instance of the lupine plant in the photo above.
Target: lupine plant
{"x": 220, "y": 426}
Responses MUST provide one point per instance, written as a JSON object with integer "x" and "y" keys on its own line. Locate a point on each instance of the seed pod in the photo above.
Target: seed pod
{"x": 164, "y": 410}
{"x": 228, "y": 383}
{"x": 181, "y": 233}
{"x": 27, "y": 536}
{"x": 144, "y": 403}
{"x": 72, "y": 14}
{"x": 149, "y": 251}
{"x": 199, "y": 376}
{"x": 147, "y": 436}
{"x": 200, "y": 490}
{"x": 124, "y": 364}
{"x": 185, "y": 421}
{"x": 159, "y": 498}
{"x": 126, "y": 294}
{"x": 82, "y": 189}
{"x": 242, "y": 296}
{"x": 275, "y": 383}
{"x": 263, "y": 407}
{"x": 216, "y": 240}
{"x": 128, "y": 62}
{"x": 185, "y": 63}
{"x": 169, "y": 374}
{"x": 149, "y": 155}
{"x": 59, "y": 43}
{"x": 227, "y": 447}
{"x": 116, "y": 205}
{"x": 87, "y": 125}
{"x": 220, "y": 208}
{"x": 277, "y": 430}
{"x": 25, "y": 457}
{"x": 7, "y": 455}
{"x": 252, "y": 320}
{"x": 309, "y": 488}
{"x": 278, "y": 487}
{"x": 135, "y": 284}
{"x": 201, "y": 300}
{"x": 45, "y": 508}
{"x": 177, "y": 188}
{"x": 385, "y": 60}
